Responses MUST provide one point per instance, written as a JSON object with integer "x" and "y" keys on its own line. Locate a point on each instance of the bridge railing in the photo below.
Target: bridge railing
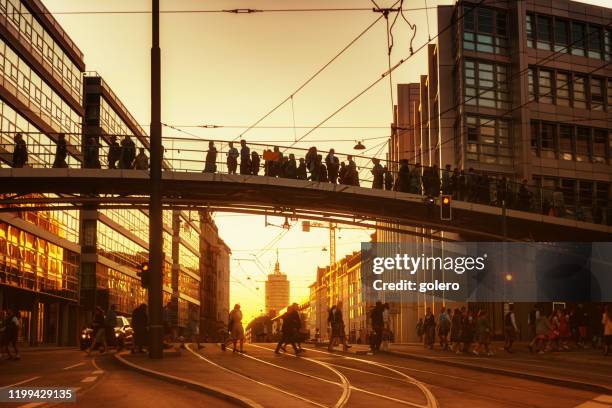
{"x": 190, "y": 155}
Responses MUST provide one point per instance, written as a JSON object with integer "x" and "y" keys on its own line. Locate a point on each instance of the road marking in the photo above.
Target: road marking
{"x": 20, "y": 382}
{"x": 592, "y": 404}
{"x": 89, "y": 379}
{"x": 346, "y": 386}
{"x": 352, "y": 387}
{"x": 74, "y": 365}
{"x": 93, "y": 361}
{"x": 31, "y": 405}
{"x": 431, "y": 400}
{"x": 252, "y": 379}
{"x": 602, "y": 401}
{"x": 98, "y": 372}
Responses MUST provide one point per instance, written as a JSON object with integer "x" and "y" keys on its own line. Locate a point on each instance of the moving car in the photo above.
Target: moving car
{"x": 123, "y": 335}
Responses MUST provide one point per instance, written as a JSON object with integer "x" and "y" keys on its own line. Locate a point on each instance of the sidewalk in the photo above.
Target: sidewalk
{"x": 191, "y": 371}
{"x": 582, "y": 369}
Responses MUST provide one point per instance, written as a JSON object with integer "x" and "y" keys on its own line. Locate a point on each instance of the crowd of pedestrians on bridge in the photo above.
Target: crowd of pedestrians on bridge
{"x": 471, "y": 185}
{"x": 466, "y": 331}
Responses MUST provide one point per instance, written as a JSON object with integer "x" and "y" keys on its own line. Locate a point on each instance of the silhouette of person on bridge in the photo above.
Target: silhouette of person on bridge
{"x": 128, "y": 153}
{"x": 210, "y": 165}
{"x": 388, "y": 179}
{"x": 232, "y": 159}
{"x": 402, "y": 182}
{"x": 142, "y": 161}
{"x": 90, "y": 155}
{"x": 114, "y": 153}
{"x": 255, "y": 163}
{"x": 61, "y": 152}
{"x": 301, "y": 170}
{"x": 20, "y": 151}
{"x": 245, "y": 158}
{"x": 379, "y": 173}
{"x": 290, "y": 169}
{"x": 333, "y": 165}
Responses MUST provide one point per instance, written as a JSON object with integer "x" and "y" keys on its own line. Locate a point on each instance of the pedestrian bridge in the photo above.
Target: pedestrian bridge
{"x": 288, "y": 197}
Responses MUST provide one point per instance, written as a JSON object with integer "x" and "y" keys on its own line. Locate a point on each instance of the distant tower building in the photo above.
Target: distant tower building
{"x": 277, "y": 290}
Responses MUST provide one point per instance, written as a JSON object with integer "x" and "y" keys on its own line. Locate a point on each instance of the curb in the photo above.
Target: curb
{"x": 194, "y": 385}
{"x": 598, "y": 388}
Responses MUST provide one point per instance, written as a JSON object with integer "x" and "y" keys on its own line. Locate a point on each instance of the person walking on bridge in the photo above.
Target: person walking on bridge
{"x": 402, "y": 183}
{"x": 245, "y": 158}
{"x": 90, "y": 154}
{"x": 128, "y": 153}
{"x": 388, "y": 179}
{"x": 142, "y": 161}
{"x": 333, "y": 165}
{"x": 61, "y": 152}
{"x": 210, "y": 165}
{"x": 255, "y": 163}
{"x": 232, "y": 159}
{"x": 301, "y": 170}
{"x": 114, "y": 153}
{"x": 378, "y": 173}
{"x": 20, "y": 151}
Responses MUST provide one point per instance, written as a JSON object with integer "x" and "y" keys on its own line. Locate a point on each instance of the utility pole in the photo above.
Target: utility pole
{"x": 155, "y": 205}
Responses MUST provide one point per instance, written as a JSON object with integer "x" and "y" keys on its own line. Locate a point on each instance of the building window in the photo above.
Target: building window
{"x": 579, "y": 87}
{"x": 562, "y": 92}
{"x": 595, "y": 43}
{"x": 486, "y": 85}
{"x": 597, "y": 96}
{"x": 565, "y": 142}
{"x": 531, "y": 84}
{"x": 488, "y": 140}
{"x": 530, "y": 31}
{"x": 548, "y": 140}
{"x": 599, "y": 145}
{"x": 544, "y": 32}
{"x": 608, "y": 45}
{"x": 582, "y": 144}
{"x": 561, "y": 36}
{"x": 485, "y": 30}
{"x": 578, "y": 35}
{"x": 545, "y": 89}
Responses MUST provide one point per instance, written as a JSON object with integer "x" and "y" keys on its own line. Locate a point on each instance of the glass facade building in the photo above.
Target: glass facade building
{"x": 40, "y": 96}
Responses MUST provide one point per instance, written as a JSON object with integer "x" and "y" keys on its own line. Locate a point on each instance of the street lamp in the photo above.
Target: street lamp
{"x": 359, "y": 146}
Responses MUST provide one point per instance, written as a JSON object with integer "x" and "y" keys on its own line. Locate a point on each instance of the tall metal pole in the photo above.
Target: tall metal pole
{"x": 155, "y": 207}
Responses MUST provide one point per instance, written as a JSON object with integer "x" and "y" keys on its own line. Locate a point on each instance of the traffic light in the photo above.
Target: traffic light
{"x": 143, "y": 274}
{"x": 445, "y": 208}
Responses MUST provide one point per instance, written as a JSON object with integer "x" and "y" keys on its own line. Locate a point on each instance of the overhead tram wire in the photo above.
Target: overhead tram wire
{"x": 312, "y": 77}
{"x": 388, "y": 72}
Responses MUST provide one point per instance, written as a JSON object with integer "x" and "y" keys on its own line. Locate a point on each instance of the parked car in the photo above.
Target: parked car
{"x": 122, "y": 338}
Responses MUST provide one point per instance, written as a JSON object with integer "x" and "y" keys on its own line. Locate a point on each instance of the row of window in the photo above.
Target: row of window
{"x": 570, "y": 142}
{"x": 32, "y": 263}
{"x": 134, "y": 221}
{"x": 569, "y": 89}
{"x": 488, "y": 140}
{"x": 39, "y": 145}
{"x": 568, "y": 36}
{"x": 119, "y": 248}
{"x": 486, "y": 85}
{"x": 42, "y": 99}
{"x": 33, "y": 32}
{"x": 485, "y": 30}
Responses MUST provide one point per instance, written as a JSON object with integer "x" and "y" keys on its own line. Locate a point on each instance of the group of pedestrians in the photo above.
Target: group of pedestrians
{"x": 567, "y": 329}
{"x": 459, "y": 330}
{"x": 10, "y": 324}
{"x": 119, "y": 156}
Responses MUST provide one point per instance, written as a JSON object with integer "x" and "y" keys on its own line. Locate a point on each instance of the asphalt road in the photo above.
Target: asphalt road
{"x": 322, "y": 379}
{"x": 100, "y": 382}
